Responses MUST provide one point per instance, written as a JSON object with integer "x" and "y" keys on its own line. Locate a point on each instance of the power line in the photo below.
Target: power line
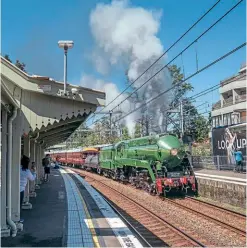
{"x": 191, "y": 76}
{"x": 215, "y": 23}
{"x": 199, "y": 37}
{"x": 197, "y": 95}
{"x": 181, "y": 37}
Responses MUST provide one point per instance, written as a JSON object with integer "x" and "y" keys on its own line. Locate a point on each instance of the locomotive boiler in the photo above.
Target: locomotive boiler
{"x": 156, "y": 164}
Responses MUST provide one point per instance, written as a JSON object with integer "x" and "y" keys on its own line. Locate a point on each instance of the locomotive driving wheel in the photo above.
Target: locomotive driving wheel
{"x": 99, "y": 171}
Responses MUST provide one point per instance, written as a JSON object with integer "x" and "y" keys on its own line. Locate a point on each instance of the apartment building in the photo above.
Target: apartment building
{"x": 231, "y": 108}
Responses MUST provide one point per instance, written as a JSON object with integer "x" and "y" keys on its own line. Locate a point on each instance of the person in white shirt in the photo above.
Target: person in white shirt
{"x": 25, "y": 175}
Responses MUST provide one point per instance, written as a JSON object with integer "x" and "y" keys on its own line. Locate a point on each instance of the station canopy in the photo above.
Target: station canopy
{"x": 45, "y": 113}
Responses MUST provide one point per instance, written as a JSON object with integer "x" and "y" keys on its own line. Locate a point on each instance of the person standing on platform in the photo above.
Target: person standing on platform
{"x": 239, "y": 160}
{"x": 25, "y": 175}
{"x": 46, "y": 165}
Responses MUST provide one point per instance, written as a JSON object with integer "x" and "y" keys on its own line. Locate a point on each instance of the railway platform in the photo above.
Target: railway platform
{"x": 228, "y": 187}
{"x": 222, "y": 175}
{"x": 44, "y": 224}
{"x": 70, "y": 213}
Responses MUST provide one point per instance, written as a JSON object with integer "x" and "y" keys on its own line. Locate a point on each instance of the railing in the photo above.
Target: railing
{"x": 217, "y": 105}
{"x": 228, "y": 102}
{"x": 215, "y": 162}
{"x": 232, "y": 79}
{"x": 240, "y": 98}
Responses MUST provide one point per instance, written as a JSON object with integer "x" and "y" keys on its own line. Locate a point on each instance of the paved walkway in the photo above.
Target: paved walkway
{"x": 44, "y": 224}
{"x": 68, "y": 212}
{"x": 221, "y": 173}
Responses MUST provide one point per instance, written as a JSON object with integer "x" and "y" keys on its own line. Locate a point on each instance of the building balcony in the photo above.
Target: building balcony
{"x": 240, "y": 98}
{"x": 228, "y": 107}
{"x": 228, "y": 102}
{"x": 217, "y": 105}
{"x": 233, "y": 83}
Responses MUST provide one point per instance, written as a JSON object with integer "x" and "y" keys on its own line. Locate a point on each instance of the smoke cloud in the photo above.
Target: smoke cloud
{"x": 127, "y": 35}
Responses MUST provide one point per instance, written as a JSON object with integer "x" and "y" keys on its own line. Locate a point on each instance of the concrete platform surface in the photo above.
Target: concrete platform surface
{"x": 44, "y": 224}
{"x": 68, "y": 212}
{"x": 221, "y": 173}
{"x": 104, "y": 225}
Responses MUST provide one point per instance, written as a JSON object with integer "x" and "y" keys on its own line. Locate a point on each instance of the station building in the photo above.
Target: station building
{"x": 35, "y": 114}
{"x": 231, "y": 108}
{"x": 229, "y": 118}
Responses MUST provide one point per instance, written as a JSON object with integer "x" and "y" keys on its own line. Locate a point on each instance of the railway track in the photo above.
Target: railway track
{"x": 165, "y": 231}
{"x": 243, "y": 216}
{"x": 147, "y": 238}
{"x": 221, "y": 217}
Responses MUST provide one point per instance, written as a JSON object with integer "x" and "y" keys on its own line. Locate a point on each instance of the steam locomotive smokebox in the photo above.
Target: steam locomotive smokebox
{"x": 224, "y": 192}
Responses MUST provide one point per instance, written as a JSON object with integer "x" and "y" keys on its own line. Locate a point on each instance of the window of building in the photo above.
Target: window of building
{"x": 216, "y": 121}
{"x": 213, "y": 122}
{"x": 235, "y": 118}
{"x": 228, "y": 119}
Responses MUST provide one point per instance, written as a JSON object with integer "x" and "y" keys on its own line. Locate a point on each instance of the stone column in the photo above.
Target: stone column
{"x": 26, "y": 204}
{"x": 41, "y": 170}
{"x": 4, "y": 230}
{"x": 42, "y": 154}
{"x": 234, "y": 95}
{"x": 16, "y": 165}
{"x": 32, "y": 192}
{"x": 37, "y": 161}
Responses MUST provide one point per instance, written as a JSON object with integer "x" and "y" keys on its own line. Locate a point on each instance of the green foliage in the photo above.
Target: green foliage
{"x": 138, "y": 131}
{"x": 181, "y": 87}
{"x": 18, "y": 64}
{"x": 6, "y": 56}
{"x": 125, "y": 134}
{"x": 202, "y": 129}
{"x": 193, "y": 121}
{"x": 201, "y": 150}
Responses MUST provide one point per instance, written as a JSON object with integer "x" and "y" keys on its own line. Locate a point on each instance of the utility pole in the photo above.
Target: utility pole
{"x": 166, "y": 125}
{"x": 111, "y": 124}
{"x": 181, "y": 118}
{"x": 147, "y": 131}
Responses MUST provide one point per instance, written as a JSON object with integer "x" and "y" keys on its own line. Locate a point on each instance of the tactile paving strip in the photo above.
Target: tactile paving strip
{"x": 79, "y": 234}
{"x": 122, "y": 232}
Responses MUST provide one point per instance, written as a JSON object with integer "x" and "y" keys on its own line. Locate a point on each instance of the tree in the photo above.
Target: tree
{"x": 138, "y": 130}
{"x": 181, "y": 88}
{"x": 7, "y": 58}
{"x": 18, "y": 64}
{"x": 202, "y": 129}
{"x": 125, "y": 134}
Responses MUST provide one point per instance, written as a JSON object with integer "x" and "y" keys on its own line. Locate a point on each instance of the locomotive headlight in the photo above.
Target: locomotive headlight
{"x": 174, "y": 152}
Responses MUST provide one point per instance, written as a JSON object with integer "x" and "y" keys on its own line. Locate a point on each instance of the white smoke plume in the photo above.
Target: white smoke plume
{"x": 127, "y": 35}
{"x": 112, "y": 91}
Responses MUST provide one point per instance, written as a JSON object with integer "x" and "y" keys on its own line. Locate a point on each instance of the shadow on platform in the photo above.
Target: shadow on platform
{"x": 44, "y": 224}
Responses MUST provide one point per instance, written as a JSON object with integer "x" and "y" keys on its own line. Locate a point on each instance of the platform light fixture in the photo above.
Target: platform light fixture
{"x": 65, "y": 45}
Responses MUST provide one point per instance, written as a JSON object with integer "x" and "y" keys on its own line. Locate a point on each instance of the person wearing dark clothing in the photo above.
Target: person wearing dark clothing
{"x": 25, "y": 175}
{"x": 46, "y": 165}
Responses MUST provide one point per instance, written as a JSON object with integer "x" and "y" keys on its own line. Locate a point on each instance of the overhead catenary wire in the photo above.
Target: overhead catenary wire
{"x": 185, "y": 49}
{"x": 201, "y": 35}
{"x": 180, "y": 38}
{"x": 191, "y": 76}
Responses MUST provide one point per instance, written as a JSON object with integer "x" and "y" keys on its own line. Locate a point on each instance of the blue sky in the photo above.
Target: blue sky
{"x": 31, "y": 29}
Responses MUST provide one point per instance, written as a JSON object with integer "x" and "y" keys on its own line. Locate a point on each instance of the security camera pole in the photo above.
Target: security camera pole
{"x": 65, "y": 45}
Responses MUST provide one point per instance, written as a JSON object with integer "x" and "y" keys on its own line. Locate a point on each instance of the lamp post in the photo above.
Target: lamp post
{"x": 68, "y": 44}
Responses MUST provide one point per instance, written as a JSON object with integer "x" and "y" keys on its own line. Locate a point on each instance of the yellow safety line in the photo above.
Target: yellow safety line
{"x": 90, "y": 222}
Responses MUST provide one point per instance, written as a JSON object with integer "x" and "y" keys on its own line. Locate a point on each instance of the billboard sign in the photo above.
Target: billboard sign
{"x": 226, "y": 140}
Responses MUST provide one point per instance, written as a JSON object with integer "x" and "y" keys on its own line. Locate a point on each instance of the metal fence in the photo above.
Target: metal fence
{"x": 215, "y": 162}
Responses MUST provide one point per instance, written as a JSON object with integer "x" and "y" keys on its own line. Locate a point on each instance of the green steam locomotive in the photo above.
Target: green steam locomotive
{"x": 157, "y": 164}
